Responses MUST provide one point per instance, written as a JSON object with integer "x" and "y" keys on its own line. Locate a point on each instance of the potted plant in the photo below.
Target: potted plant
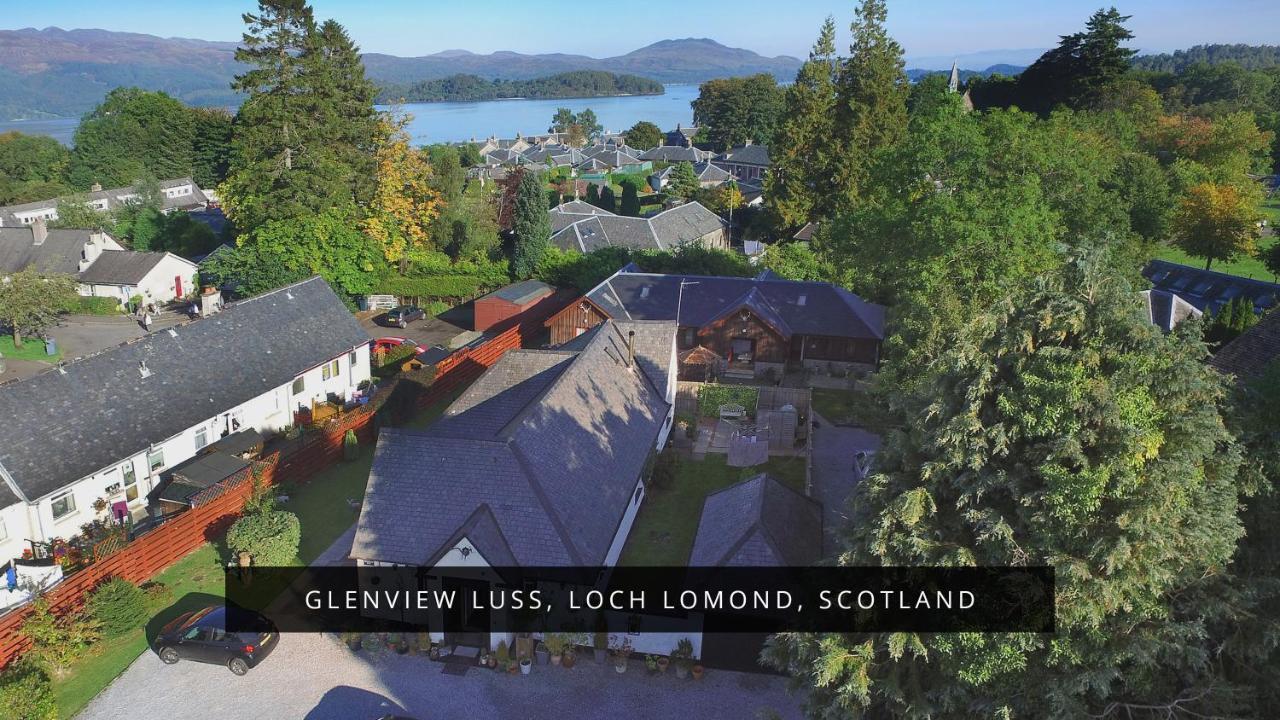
{"x": 526, "y": 665}
{"x": 350, "y": 446}
{"x": 502, "y": 655}
{"x": 682, "y": 656}
{"x": 570, "y": 656}
{"x": 601, "y": 638}
{"x": 513, "y": 667}
{"x": 554, "y": 643}
{"x": 352, "y": 639}
{"x": 620, "y": 650}
{"x": 395, "y": 641}
{"x": 371, "y": 643}
{"x": 651, "y": 664}
{"x": 424, "y": 640}
{"x": 663, "y": 663}
{"x": 697, "y": 671}
{"x": 542, "y": 653}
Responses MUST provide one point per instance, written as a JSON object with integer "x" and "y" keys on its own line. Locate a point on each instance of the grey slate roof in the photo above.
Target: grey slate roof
{"x": 669, "y": 228}
{"x": 121, "y": 267}
{"x": 1250, "y": 354}
{"x": 746, "y": 155}
{"x": 61, "y": 426}
{"x": 535, "y": 463}
{"x": 117, "y": 197}
{"x": 566, "y": 214}
{"x": 675, "y": 154}
{"x": 758, "y": 523}
{"x": 59, "y": 253}
{"x": 521, "y": 292}
{"x": 1208, "y": 289}
{"x": 826, "y": 310}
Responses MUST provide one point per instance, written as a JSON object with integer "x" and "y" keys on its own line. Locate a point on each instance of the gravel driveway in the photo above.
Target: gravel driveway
{"x": 317, "y": 678}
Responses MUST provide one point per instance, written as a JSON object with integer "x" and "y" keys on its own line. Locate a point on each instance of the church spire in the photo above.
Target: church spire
{"x": 954, "y": 84}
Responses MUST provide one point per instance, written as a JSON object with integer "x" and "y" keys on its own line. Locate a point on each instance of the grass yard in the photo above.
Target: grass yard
{"x": 32, "y": 349}
{"x": 852, "y": 407}
{"x": 668, "y": 521}
{"x": 1250, "y": 267}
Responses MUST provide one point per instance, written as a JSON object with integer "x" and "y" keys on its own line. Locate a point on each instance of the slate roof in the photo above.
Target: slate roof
{"x": 535, "y": 463}
{"x": 1250, "y": 354}
{"x": 666, "y": 230}
{"x": 1208, "y": 289}
{"x": 59, "y": 253}
{"x": 705, "y": 171}
{"x": 746, "y": 155}
{"x": 566, "y": 214}
{"x": 805, "y": 308}
{"x": 521, "y": 293}
{"x": 116, "y": 197}
{"x": 61, "y": 426}
{"x": 675, "y": 154}
{"x": 122, "y": 267}
{"x": 758, "y": 523}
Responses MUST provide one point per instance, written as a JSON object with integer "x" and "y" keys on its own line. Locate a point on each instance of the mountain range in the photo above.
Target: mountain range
{"x": 65, "y": 73}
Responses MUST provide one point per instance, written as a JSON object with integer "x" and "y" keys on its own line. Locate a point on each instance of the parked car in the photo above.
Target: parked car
{"x": 388, "y": 343}
{"x": 403, "y": 315}
{"x": 201, "y": 635}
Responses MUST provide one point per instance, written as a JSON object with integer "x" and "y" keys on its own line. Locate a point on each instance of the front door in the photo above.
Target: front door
{"x": 463, "y": 623}
{"x": 177, "y": 286}
{"x": 744, "y": 350}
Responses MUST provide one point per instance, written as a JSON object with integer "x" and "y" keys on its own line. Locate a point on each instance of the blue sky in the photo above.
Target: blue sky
{"x": 924, "y": 27}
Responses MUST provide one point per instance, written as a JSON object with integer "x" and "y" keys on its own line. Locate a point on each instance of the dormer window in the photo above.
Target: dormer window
{"x": 644, "y": 291}
{"x": 801, "y": 300}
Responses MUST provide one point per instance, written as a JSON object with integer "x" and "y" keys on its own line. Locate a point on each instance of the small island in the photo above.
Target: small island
{"x": 472, "y": 88}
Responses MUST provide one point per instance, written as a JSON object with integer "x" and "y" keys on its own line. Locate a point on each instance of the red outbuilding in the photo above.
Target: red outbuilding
{"x": 508, "y": 302}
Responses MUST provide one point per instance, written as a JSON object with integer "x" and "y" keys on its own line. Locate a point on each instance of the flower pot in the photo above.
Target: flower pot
{"x": 512, "y": 669}
{"x": 569, "y": 660}
{"x": 620, "y": 667}
{"x": 434, "y": 653}
{"x": 401, "y": 649}
{"x": 542, "y": 654}
{"x": 555, "y": 659}
{"x": 526, "y": 665}
{"x": 663, "y": 664}
{"x": 682, "y": 671}
{"x": 697, "y": 672}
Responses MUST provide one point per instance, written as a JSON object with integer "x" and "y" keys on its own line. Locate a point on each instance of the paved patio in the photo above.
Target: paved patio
{"x": 318, "y": 678}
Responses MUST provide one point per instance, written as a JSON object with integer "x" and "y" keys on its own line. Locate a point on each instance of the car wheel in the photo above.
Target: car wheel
{"x": 168, "y": 656}
{"x": 238, "y": 666}
{"x": 403, "y": 324}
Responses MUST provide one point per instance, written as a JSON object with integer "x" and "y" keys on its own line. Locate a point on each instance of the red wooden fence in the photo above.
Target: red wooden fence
{"x": 148, "y": 555}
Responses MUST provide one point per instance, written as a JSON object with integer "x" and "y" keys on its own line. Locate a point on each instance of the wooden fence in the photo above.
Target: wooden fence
{"x": 153, "y": 552}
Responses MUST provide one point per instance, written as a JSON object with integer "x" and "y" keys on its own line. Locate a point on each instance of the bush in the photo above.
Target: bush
{"x": 350, "y": 446}
{"x": 118, "y": 606}
{"x": 434, "y": 287}
{"x": 664, "y": 471}
{"x": 270, "y": 538}
{"x": 81, "y": 305}
{"x": 26, "y": 693}
{"x": 58, "y": 640}
{"x": 711, "y": 397}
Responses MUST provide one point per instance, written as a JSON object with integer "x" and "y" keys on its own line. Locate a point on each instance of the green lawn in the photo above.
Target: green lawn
{"x": 668, "y": 521}
{"x": 851, "y": 407}
{"x": 32, "y": 349}
{"x": 1250, "y": 267}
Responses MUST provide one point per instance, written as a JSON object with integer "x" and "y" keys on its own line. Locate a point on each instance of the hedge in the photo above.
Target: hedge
{"x": 93, "y": 306}
{"x": 26, "y": 693}
{"x": 439, "y": 286}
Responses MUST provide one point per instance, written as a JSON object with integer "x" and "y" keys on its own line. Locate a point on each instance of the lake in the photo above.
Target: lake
{"x": 462, "y": 121}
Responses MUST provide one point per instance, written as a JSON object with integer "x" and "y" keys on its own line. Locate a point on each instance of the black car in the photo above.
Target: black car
{"x": 401, "y": 316}
{"x": 201, "y": 635}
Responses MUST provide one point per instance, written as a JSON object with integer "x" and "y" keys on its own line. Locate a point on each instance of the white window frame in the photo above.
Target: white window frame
{"x": 202, "y": 438}
{"x": 299, "y": 385}
{"x": 69, "y": 496}
{"x": 152, "y": 465}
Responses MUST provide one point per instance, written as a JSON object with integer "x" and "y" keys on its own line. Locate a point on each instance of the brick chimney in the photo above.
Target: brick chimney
{"x": 39, "y": 231}
{"x": 96, "y": 187}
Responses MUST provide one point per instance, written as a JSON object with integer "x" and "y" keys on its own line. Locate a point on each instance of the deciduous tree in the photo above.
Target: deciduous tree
{"x": 30, "y": 301}
{"x": 404, "y": 203}
{"x": 644, "y": 135}
{"x": 132, "y": 134}
{"x": 732, "y": 111}
{"x": 1216, "y": 222}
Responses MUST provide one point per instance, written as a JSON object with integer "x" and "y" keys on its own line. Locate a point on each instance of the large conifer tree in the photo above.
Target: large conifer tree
{"x": 871, "y": 100}
{"x": 798, "y": 186}
{"x": 530, "y": 226}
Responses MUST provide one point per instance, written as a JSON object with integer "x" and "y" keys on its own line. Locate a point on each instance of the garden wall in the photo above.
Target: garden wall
{"x": 153, "y": 552}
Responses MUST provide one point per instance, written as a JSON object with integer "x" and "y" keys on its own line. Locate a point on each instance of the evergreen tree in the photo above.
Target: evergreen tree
{"x": 1043, "y": 436}
{"x": 530, "y": 227}
{"x": 608, "y": 200}
{"x": 683, "y": 182}
{"x": 593, "y": 194}
{"x": 1075, "y": 72}
{"x": 343, "y": 96}
{"x": 871, "y": 101}
{"x": 630, "y": 200}
{"x": 211, "y": 146}
{"x": 133, "y": 134}
{"x": 797, "y": 187}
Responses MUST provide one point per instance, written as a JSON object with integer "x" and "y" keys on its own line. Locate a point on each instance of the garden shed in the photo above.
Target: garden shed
{"x": 508, "y": 302}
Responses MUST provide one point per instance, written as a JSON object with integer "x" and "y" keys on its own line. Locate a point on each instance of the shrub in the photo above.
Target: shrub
{"x": 350, "y": 446}
{"x": 711, "y": 397}
{"x": 270, "y": 538}
{"x": 81, "y": 305}
{"x": 664, "y": 471}
{"x": 118, "y": 606}
{"x": 434, "y": 287}
{"x": 58, "y": 641}
{"x": 26, "y": 693}
{"x": 395, "y": 355}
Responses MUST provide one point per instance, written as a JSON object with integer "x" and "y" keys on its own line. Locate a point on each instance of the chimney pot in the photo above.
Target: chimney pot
{"x": 631, "y": 348}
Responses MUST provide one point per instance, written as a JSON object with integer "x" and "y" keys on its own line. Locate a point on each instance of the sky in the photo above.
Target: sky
{"x": 925, "y": 28}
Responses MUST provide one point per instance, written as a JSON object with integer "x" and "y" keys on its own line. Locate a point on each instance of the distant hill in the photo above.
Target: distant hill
{"x": 472, "y": 88}
{"x": 1251, "y": 57}
{"x": 914, "y": 74}
{"x": 55, "y": 72}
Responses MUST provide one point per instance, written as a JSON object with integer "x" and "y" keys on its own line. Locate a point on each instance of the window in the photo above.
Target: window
{"x": 330, "y": 370}
{"x": 639, "y": 494}
{"x": 155, "y": 460}
{"x": 354, "y": 359}
{"x": 63, "y": 505}
{"x": 299, "y": 385}
{"x": 130, "y": 482}
{"x": 202, "y": 438}
{"x": 689, "y": 336}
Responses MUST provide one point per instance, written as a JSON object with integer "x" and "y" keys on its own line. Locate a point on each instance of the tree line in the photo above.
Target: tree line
{"x": 473, "y": 88}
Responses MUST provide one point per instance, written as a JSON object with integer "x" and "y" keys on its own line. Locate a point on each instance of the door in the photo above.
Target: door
{"x": 177, "y": 286}
{"x": 744, "y": 350}
{"x": 463, "y": 624}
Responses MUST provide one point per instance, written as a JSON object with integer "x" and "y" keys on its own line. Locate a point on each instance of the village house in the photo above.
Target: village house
{"x": 709, "y": 175}
{"x": 110, "y": 427}
{"x": 667, "y": 230}
{"x": 681, "y": 136}
{"x": 175, "y": 194}
{"x": 1209, "y": 290}
{"x": 735, "y": 326}
{"x": 542, "y": 462}
{"x": 747, "y": 163}
{"x": 675, "y": 154}
{"x": 100, "y": 265}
